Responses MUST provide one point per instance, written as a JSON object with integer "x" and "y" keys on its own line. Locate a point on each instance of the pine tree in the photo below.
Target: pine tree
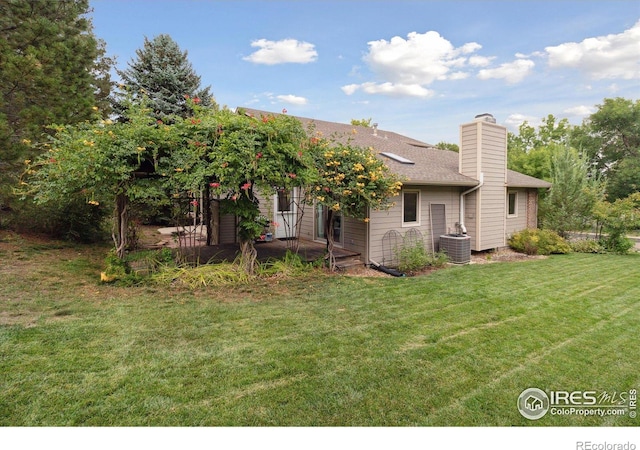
{"x": 53, "y": 70}
{"x": 163, "y": 73}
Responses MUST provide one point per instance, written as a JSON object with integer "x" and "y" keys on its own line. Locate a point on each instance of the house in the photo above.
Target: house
{"x": 534, "y": 403}
{"x": 470, "y": 193}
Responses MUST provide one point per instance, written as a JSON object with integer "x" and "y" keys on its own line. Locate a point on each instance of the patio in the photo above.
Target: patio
{"x": 192, "y": 241}
{"x": 309, "y": 251}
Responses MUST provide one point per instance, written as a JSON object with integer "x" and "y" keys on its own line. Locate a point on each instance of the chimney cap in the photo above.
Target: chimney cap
{"x": 485, "y": 117}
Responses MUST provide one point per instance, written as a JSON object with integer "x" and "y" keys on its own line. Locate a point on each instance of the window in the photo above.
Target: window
{"x": 512, "y": 210}
{"x": 410, "y": 208}
{"x": 284, "y": 202}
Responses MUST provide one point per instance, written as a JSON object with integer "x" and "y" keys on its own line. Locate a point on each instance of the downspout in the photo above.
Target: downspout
{"x": 463, "y": 229}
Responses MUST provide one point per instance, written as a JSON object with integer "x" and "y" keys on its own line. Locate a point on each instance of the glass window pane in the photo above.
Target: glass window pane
{"x": 512, "y": 203}
{"x": 410, "y": 210}
{"x": 284, "y": 202}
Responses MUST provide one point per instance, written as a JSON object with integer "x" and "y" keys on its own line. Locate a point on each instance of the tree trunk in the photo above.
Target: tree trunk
{"x": 248, "y": 256}
{"x": 330, "y": 241}
{"x": 121, "y": 225}
{"x": 206, "y": 204}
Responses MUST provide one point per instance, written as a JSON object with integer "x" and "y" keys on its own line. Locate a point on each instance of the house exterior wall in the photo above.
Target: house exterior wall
{"x": 519, "y": 221}
{"x": 355, "y": 236}
{"x": 306, "y": 226}
{"x": 354, "y": 231}
{"x": 228, "y": 231}
{"x": 484, "y": 151}
{"x": 383, "y": 221}
{"x": 532, "y": 208}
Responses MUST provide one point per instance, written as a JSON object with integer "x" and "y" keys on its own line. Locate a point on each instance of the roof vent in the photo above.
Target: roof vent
{"x": 397, "y": 158}
{"x": 375, "y": 129}
{"x": 486, "y": 117}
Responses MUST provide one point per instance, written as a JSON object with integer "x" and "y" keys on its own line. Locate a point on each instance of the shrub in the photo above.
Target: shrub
{"x": 439, "y": 259}
{"x": 136, "y": 266}
{"x": 617, "y": 243}
{"x": 72, "y": 220}
{"x": 291, "y": 265}
{"x": 586, "y": 246}
{"x": 215, "y": 275}
{"x": 116, "y": 269}
{"x": 617, "y": 219}
{"x": 538, "y": 242}
{"x": 415, "y": 257}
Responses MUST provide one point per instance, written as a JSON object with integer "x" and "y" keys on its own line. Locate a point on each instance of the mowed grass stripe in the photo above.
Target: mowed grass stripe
{"x": 332, "y": 352}
{"x": 604, "y": 338}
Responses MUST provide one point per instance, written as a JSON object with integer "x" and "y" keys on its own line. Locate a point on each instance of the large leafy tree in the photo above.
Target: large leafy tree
{"x": 611, "y": 137}
{"x": 530, "y": 151}
{"x": 162, "y": 72}
{"x": 108, "y": 164}
{"x": 575, "y": 191}
{"x": 236, "y": 156}
{"x": 53, "y": 70}
{"x": 101, "y": 164}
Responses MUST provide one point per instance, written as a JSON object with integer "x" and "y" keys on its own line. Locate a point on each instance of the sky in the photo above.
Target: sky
{"x": 418, "y": 68}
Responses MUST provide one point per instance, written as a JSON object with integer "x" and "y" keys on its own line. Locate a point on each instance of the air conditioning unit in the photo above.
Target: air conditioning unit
{"x": 457, "y": 247}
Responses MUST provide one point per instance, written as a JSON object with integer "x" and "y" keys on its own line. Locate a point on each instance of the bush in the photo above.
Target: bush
{"x": 74, "y": 220}
{"x": 617, "y": 243}
{"x": 586, "y": 246}
{"x": 136, "y": 266}
{"x": 116, "y": 269}
{"x": 415, "y": 257}
{"x": 291, "y": 265}
{"x": 538, "y": 242}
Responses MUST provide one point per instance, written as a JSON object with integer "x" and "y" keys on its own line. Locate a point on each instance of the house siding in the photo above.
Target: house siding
{"x": 519, "y": 222}
{"x": 383, "y": 221}
{"x": 485, "y": 144}
{"x": 228, "y": 229}
{"x": 306, "y": 225}
{"x": 532, "y": 208}
{"x": 355, "y": 236}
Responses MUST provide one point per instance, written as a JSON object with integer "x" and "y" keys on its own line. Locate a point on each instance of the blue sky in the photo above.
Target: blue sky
{"x": 419, "y": 68}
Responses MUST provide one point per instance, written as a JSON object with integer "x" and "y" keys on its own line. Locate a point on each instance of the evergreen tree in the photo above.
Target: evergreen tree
{"x": 54, "y": 70}
{"x": 163, "y": 73}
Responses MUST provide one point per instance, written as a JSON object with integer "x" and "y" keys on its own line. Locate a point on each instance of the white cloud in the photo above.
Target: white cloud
{"x": 604, "y": 57}
{"x": 350, "y": 89}
{"x": 292, "y": 99}
{"x": 613, "y": 88}
{"x": 580, "y": 111}
{"x": 512, "y": 72}
{"x": 420, "y": 59}
{"x": 390, "y": 89}
{"x": 515, "y": 120}
{"x": 280, "y": 52}
{"x": 480, "y": 61}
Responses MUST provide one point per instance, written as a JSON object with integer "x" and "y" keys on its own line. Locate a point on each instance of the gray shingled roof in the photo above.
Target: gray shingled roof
{"x": 432, "y": 166}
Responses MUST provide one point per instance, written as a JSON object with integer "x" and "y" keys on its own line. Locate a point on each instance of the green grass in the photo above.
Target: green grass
{"x": 452, "y": 348}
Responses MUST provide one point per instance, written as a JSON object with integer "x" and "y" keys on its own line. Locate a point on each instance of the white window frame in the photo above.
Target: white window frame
{"x": 418, "y": 213}
{"x": 515, "y": 204}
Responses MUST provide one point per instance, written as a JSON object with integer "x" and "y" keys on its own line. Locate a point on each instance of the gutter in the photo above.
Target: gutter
{"x": 463, "y": 229}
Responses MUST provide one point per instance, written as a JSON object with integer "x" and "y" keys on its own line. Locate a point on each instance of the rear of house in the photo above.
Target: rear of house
{"x": 444, "y": 192}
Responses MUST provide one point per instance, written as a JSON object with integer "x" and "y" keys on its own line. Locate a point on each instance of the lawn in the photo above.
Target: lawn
{"x": 455, "y": 347}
